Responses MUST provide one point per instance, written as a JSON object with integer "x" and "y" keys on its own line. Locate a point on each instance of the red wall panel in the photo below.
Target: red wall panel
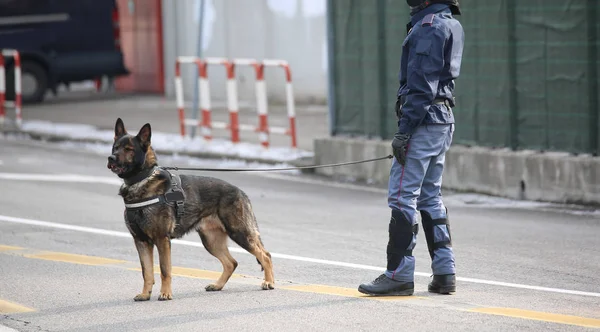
{"x": 141, "y": 42}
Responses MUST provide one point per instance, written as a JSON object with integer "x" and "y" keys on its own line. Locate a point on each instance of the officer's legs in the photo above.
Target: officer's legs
{"x": 406, "y": 185}
{"x": 404, "y": 188}
{"x": 435, "y": 220}
{"x": 427, "y": 144}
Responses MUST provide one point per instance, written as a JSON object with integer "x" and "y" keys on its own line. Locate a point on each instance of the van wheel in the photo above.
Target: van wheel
{"x": 34, "y": 82}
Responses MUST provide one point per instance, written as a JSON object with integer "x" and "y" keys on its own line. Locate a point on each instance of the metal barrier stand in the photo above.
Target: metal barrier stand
{"x": 17, "y": 104}
{"x": 205, "y": 122}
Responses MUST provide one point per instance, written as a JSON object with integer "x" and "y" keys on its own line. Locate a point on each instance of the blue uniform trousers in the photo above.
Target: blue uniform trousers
{"x": 417, "y": 187}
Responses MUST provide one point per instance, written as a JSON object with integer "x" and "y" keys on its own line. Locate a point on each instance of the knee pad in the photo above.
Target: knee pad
{"x": 401, "y": 233}
{"x": 437, "y": 232}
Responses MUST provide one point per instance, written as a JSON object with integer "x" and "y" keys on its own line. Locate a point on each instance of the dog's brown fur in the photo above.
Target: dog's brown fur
{"x": 217, "y": 210}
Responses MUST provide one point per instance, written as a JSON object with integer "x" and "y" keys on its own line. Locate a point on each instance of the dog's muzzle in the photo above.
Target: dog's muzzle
{"x": 114, "y": 166}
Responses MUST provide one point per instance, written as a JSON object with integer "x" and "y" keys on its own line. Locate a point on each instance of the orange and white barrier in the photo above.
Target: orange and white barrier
{"x": 18, "y": 100}
{"x": 206, "y": 124}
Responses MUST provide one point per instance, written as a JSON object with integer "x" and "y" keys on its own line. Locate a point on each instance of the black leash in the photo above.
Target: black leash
{"x": 272, "y": 169}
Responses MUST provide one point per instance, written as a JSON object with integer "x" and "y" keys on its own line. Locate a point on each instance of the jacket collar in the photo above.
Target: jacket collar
{"x": 432, "y": 9}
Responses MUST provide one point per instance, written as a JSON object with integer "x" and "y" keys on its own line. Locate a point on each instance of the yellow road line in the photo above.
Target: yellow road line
{"x": 348, "y": 292}
{"x": 192, "y": 273}
{"x": 7, "y": 307}
{"x": 7, "y": 248}
{"x": 72, "y": 258}
{"x": 541, "y": 316}
{"x": 196, "y": 273}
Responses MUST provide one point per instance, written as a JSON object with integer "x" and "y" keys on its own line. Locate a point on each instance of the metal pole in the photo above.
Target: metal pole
{"x": 593, "y": 74}
{"x": 195, "y": 104}
{"x": 512, "y": 74}
{"x": 476, "y": 56}
{"x": 382, "y": 66}
{"x": 331, "y": 86}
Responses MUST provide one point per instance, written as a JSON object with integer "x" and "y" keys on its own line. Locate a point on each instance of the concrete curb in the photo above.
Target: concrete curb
{"x": 524, "y": 175}
{"x": 55, "y": 138}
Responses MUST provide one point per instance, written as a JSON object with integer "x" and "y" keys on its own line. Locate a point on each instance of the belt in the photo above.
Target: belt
{"x": 444, "y": 101}
{"x": 438, "y": 101}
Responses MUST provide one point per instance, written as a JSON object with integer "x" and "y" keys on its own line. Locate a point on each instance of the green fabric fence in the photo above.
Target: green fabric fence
{"x": 529, "y": 77}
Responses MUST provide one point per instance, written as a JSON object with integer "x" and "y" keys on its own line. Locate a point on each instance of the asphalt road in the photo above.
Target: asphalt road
{"x": 68, "y": 264}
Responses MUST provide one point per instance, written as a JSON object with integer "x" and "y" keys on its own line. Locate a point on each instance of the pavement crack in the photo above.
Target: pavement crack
{"x": 25, "y": 323}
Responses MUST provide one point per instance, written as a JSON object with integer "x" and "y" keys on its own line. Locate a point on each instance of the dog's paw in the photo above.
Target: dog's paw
{"x": 266, "y": 285}
{"x": 165, "y": 296}
{"x": 213, "y": 288}
{"x": 142, "y": 297}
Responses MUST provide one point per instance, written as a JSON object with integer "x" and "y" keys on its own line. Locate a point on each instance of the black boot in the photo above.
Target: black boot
{"x": 401, "y": 233}
{"x": 383, "y": 285}
{"x": 443, "y": 284}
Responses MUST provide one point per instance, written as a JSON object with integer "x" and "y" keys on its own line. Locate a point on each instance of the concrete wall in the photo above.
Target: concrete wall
{"x": 529, "y": 175}
{"x": 292, "y": 30}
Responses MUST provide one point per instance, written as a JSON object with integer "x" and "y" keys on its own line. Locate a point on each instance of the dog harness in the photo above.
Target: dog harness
{"x": 173, "y": 197}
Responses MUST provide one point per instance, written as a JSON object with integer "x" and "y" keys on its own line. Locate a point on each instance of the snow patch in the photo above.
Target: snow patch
{"x": 171, "y": 142}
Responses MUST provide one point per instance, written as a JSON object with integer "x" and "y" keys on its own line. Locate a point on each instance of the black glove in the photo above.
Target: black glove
{"x": 400, "y": 147}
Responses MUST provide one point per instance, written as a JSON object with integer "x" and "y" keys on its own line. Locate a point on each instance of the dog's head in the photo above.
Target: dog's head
{"x": 131, "y": 154}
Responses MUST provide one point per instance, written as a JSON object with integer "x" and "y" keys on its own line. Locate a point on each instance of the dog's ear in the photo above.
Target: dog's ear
{"x": 145, "y": 134}
{"x": 119, "y": 129}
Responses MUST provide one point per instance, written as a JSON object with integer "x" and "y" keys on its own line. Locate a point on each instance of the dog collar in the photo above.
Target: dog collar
{"x": 140, "y": 176}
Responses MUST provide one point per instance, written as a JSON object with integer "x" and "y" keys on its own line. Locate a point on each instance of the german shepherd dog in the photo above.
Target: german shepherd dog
{"x": 214, "y": 208}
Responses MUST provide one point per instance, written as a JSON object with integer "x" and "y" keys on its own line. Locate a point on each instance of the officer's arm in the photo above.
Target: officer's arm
{"x": 425, "y": 64}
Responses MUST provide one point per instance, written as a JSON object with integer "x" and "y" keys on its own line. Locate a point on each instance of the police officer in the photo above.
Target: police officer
{"x": 431, "y": 60}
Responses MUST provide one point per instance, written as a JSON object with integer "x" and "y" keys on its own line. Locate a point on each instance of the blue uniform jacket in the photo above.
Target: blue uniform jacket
{"x": 431, "y": 58}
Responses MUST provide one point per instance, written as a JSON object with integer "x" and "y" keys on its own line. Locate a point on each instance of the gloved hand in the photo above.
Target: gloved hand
{"x": 400, "y": 147}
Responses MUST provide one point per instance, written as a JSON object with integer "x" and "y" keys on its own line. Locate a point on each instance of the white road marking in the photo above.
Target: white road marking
{"x": 290, "y": 257}
{"x": 74, "y": 178}
{"x": 116, "y": 181}
{"x": 6, "y": 329}
{"x": 462, "y": 200}
{"x": 1, "y": 163}
{"x": 61, "y": 178}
